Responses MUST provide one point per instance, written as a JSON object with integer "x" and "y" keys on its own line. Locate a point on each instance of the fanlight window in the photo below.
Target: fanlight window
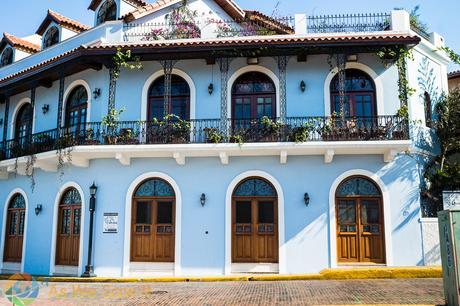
{"x": 253, "y": 83}
{"x": 51, "y": 37}
{"x": 255, "y": 187}
{"x": 107, "y": 12}
{"x": 7, "y": 57}
{"x": 358, "y": 186}
{"x": 71, "y": 197}
{"x": 17, "y": 202}
{"x": 24, "y": 121}
{"x": 155, "y": 188}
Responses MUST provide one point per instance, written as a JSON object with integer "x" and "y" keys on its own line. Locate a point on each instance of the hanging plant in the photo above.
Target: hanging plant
{"x": 30, "y": 170}
{"x": 125, "y": 60}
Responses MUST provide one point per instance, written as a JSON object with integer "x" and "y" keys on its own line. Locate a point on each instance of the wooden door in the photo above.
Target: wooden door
{"x": 68, "y": 235}
{"x": 14, "y": 234}
{"x": 152, "y": 231}
{"x": 360, "y": 232}
{"x": 255, "y": 230}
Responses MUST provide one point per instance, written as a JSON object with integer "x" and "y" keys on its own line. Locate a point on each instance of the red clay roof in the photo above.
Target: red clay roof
{"x": 228, "y": 5}
{"x": 61, "y": 20}
{"x": 307, "y": 41}
{"x": 454, "y": 74}
{"x": 19, "y": 43}
{"x": 269, "y": 22}
{"x": 95, "y": 3}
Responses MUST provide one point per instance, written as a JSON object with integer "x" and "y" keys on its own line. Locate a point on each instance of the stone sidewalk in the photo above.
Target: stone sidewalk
{"x": 388, "y": 291}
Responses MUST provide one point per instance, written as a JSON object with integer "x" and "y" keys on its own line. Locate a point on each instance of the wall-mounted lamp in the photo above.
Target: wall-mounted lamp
{"x": 1, "y": 121}
{"x": 96, "y": 93}
{"x": 253, "y": 60}
{"x": 211, "y": 88}
{"x": 303, "y": 86}
{"x": 45, "y": 108}
{"x": 306, "y": 198}
{"x": 38, "y": 209}
{"x": 203, "y": 199}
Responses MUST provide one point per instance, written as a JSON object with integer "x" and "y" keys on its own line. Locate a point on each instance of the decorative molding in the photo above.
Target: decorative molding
{"x": 79, "y": 162}
{"x": 180, "y": 158}
{"x": 112, "y": 89}
{"x": 282, "y": 65}
{"x": 283, "y": 157}
{"x": 329, "y": 156}
{"x": 123, "y": 159}
{"x": 224, "y": 159}
{"x": 390, "y": 156}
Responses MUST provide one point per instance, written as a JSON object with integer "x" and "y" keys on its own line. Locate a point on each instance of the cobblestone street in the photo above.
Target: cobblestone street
{"x": 390, "y": 291}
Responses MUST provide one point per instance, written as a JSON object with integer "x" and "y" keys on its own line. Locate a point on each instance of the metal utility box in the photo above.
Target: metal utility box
{"x": 449, "y": 234}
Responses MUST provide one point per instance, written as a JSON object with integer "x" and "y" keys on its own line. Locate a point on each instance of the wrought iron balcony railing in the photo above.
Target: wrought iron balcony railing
{"x": 348, "y": 23}
{"x": 293, "y": 129}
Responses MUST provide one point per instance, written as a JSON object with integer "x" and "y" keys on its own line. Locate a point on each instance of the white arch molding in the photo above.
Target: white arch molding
{"x": 14, "y": 118}
{"x": 24, "y": 238}
{"x": 160, "y": 73}
{"x": 228, "y": 218}
{"x": 333, "y": 262}
{"x": 67, "y": 93}
{"x": 352, "y": 65}
{"x": 57, "y": 201}
{"x": 178, "y": 226}
{"x": 252, "y": 68}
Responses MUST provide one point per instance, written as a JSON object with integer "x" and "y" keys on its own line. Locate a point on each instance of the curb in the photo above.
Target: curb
{"x": 328, "y": 274}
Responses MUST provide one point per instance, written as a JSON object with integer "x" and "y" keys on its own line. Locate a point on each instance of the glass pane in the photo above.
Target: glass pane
{"x": 243, "y": 212}
{"x": 155, "y": 188}
{"x": 370, "y": 211}
{"x": 165, "y": 213}
{"x": 22, "y": 216}
{"x": 18, "y": 202}
{"x": 143, "y": 213}
{"x": 358, "y": 186}
{"x": 65, "y": 223}
{"x": 76, "y": 221}
{"x": 13, "y": 222}
{"x": 347, "y": 212}
{"x": 255, "y": 187}
{"x": 71, "y": 197}
{"x": 266, "y": 212}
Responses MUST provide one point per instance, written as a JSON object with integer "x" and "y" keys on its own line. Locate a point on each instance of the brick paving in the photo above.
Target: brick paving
{"x": 349, "y": 292}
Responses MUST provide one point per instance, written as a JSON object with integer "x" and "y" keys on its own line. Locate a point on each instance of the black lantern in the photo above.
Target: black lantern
{"x": 45, "y": 108}
{"x": 1, "y": 121}
{"x": 38, "y": 209}
{"x": 96, "y": 93}
{"x": 211, "y": 88}
{"x": 303, "y": 86}
{"x": 93, "y": 190}
{"x": 306, "y": 198}
{"x": 203, "y": 199}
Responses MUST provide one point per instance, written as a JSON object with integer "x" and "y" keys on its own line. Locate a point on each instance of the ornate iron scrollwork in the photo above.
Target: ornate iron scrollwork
{"x": 5, "y": 119}
{"x": 224, "y": 64}
{"x": 112, "y": 89}
{"x": 60, "y": 102}
{"x": 168, "y": 66}
{"x": 341, "y": 65}
{"x": 282, "y": 65}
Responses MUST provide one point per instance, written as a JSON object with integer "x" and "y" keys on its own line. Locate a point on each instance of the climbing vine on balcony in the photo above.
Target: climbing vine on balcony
{"x": 125, "y": 60}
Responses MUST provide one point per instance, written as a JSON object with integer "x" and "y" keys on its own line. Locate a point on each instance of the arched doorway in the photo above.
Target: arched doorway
{"x": 68, "y": 229}
{"x": 76, "y": 110}
{"x": 360, "y": 94}
{"x": 179, "y": 104}
{"x": 23, "y": 124}
{"x": 15, "y": 226}
{"x": 360, "y": 221}
{"x": 153, "y": 222}
{"x": 255, "y": 222}
{"x": 253, "y": 97}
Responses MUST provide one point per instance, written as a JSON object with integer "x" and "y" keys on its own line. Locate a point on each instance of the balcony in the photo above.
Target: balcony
{"x": 294, "y": 130}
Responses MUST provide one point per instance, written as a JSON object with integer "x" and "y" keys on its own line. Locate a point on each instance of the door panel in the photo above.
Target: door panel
{"x": 14, "y": 236}
{"x": 371, "y": 232}
{"x": 243, "y": 250}
{"x": 68, "y": 237}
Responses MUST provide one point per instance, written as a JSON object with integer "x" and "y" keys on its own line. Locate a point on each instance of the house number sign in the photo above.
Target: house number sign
{"x": 110, "y": 223}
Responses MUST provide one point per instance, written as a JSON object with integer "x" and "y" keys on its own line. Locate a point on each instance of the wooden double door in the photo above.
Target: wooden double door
{"x": 68, "y": 235}
{"x": 14, "y": 235}
{"x": 360, "y": 230}
{"x": 255, "y": 230}
{"x": 153, "y": 230}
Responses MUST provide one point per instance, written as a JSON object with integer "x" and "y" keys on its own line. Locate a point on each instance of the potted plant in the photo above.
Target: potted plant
{"x": 90, "y": 139}
{"x": 111, "y": 123}
{"x": 213, "y": 135}
{"x": 127, "y": 136}
{"x": 301, "y": 133}
{"x": 172, "y": 129}
{"x": 268, "y": 129}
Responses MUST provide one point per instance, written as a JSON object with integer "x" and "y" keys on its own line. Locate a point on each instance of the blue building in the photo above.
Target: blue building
{"x": 285, "y": 152}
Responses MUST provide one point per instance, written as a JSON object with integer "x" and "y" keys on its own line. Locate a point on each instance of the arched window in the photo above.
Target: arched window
{"x": 24, "y": 121}
{"x": 76, "y": 109}
{"x": 179, "y": 102}
{"x": 69, "y": 226}
{"x": 360, "y": 225}
{"x": 428, "y": 109}
{"x": 255, "y": 222}
{"x": 253, "y": 97}
{"x": 51, "y": 37}
{"x": 7, "y": 57}
{"x": 107, "y": 12}
{"x": 359, "y": 94}
{"x": 153, "y": 222}
{"x": 16, "y": 218}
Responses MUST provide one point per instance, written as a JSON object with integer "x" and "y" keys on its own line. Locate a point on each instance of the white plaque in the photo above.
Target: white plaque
{"x": 110, "y": 222}
{"x": 451, "y": 199}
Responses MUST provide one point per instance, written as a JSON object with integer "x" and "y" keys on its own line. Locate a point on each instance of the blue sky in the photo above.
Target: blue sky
{"x": 442, "y": 16}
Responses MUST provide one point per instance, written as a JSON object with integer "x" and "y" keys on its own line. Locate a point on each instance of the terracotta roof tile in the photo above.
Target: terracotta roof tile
{"x": 269, "y": 22}
{"x": 61, "y": 20}
{"x": 95, "y": 3}
{"x": 19, "y": 43}
{"x": 454, "y": 74}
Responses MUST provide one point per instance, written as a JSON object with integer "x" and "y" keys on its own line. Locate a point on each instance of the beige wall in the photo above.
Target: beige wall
{"x": 454, "y": 82}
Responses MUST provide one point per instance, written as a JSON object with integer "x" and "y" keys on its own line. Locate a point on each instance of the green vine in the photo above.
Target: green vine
{"x": 454, "y": 57}
{"x": 125, "y": 60}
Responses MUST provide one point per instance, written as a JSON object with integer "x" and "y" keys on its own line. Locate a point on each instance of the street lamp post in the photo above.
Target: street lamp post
{"x": 89, "y": 270}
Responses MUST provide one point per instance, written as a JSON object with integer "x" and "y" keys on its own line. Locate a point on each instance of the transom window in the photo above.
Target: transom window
{"x": 180, "y": 98}
{"x": 107, "y": 12}
{"x": 357, "y": 186}
{"x": 71, "y": 197}
{"x": 76, "y": 108}
{"x": 51, "y": 37}
{"x": 24, "y": 121}
{"x": 155, "y": 188}
{"x": 253, "y": 97}
{"x": 16, "y": 212}
{"x": 7, "y": 57}
{"x": 255, "y": 187}
{"x": 359, "y": 97}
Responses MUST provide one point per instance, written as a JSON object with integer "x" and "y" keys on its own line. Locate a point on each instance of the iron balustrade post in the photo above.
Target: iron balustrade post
{"x": 60, "y": 103}
{"x": 282, "y": 65}
{"x": 5, "y": 119}
{"x": 168, "y": 66}
{"x": 89, "y": 269}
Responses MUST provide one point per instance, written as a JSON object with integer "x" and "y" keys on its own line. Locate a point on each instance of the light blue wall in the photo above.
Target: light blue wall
{"x": 307, "y": 228}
